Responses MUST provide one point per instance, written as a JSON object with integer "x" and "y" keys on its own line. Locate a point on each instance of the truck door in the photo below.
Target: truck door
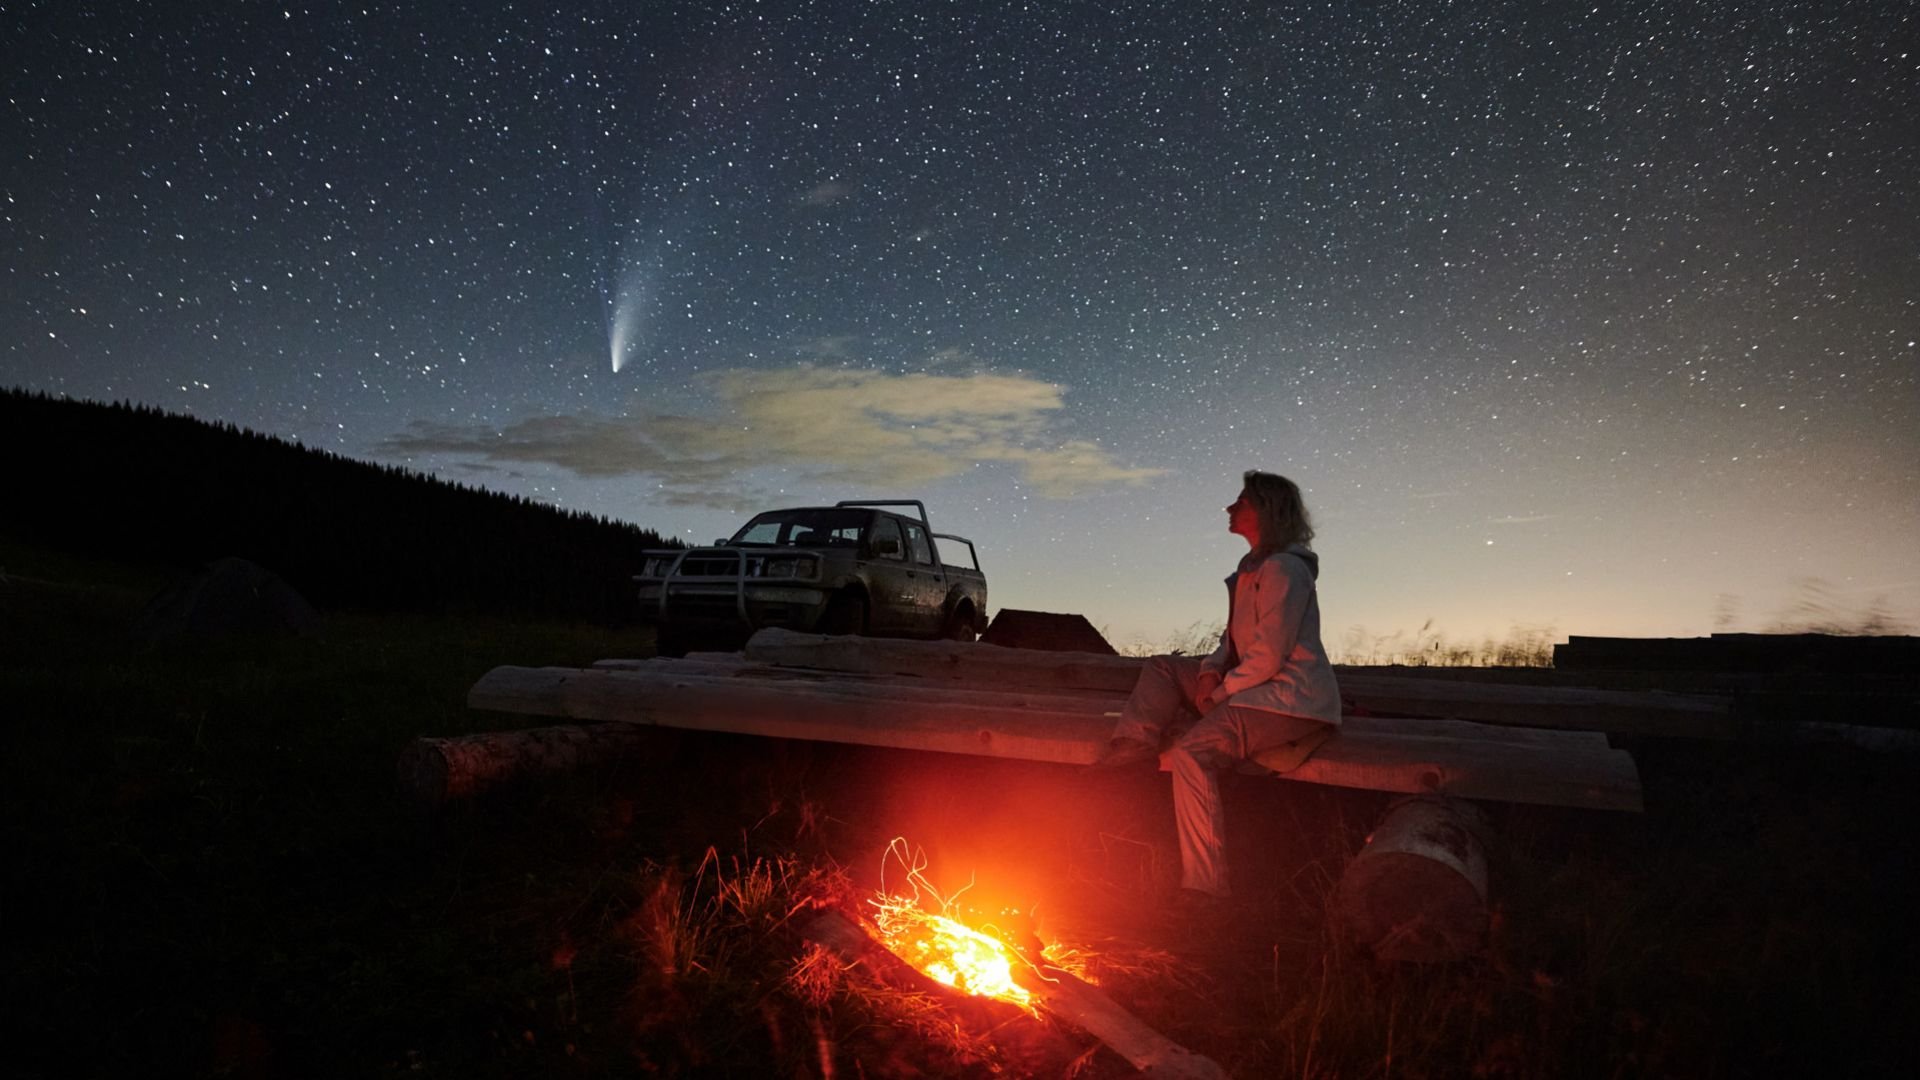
{"x": 889, "y": 578}
{"x": 929, "y": 584}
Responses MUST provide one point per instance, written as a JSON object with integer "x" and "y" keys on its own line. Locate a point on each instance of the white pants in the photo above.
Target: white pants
{"x": 1166, "y": 696}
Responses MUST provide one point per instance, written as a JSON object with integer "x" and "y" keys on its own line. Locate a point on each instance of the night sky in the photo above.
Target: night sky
{"x": 1590, "y": 318}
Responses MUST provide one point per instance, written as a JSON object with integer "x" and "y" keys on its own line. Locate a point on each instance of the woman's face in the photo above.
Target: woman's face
{"x": 1243, "y": 519}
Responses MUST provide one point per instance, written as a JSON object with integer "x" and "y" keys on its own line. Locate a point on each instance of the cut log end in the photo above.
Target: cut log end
{"x": 1404, "y": 907}
{"x": 1418, "y": 892}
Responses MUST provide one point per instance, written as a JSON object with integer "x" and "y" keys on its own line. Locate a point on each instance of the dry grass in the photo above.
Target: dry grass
{"x": 1524, "y": 646}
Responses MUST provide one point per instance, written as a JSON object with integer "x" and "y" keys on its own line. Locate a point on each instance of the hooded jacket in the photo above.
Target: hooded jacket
{"x": 1271, "y": 656}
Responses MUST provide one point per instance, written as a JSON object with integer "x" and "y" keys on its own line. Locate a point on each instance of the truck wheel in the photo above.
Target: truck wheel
{"x": 846, "y": 614}
{"x": 959, "y": 625}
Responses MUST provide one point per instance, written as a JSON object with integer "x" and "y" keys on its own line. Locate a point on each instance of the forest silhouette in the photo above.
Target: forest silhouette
{"x": 139, "y": 485}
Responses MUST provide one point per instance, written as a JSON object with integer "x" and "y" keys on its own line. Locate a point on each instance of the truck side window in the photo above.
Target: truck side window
{"x": 917, "y": 539}
{"x": 884, "y": 530}
{"x": 761, "y": 532}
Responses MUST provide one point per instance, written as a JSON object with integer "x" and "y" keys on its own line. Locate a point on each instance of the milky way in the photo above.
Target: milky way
{"x": 1598, "y": 318}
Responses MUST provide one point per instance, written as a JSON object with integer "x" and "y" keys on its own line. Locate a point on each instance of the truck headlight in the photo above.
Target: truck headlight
{"x": 789, "y": 566}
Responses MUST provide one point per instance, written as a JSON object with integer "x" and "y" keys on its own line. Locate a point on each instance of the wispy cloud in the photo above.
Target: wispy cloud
{"x": 1520, "y": 519}
{"x": 858, "y": 428}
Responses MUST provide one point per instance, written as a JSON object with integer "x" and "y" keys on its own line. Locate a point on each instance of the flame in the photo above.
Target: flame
{"x": 970, "y": 960}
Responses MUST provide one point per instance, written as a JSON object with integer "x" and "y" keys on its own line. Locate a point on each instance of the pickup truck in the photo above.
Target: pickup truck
{"x": 850, "y": 568}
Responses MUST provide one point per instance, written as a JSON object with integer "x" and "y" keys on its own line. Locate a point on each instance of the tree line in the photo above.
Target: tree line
{"x": 137, "y": 484}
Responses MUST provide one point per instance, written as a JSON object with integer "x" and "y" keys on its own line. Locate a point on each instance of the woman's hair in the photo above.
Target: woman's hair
{"x": 1283, "y": 516}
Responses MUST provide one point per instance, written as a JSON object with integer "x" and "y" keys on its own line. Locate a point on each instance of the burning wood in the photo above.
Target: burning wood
{"x": 973, "y": 961}
{"x": 991, "y": 961}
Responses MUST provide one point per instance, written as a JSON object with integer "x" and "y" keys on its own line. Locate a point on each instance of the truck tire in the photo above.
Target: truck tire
{"x": 959, "y": 625}
{"x": 846, "y": 614}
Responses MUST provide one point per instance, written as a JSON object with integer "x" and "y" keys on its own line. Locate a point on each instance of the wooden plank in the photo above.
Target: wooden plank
{"x": 1386, "y": 758}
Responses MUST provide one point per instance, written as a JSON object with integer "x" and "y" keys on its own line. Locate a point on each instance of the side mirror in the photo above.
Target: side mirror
{"x": 721, "y": 542}
{"x": 887, "y": 547}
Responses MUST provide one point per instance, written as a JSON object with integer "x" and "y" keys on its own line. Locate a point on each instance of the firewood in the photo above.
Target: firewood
{"x": 1418, "y": 891}
{"x": 1055, "y": 993}
{"x": 435, "y": 771}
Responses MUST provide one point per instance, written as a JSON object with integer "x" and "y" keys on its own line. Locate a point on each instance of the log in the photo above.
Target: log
{"x": 680, "y": 676}
{"x": 687, "y": 672}
{"x": 991, "y": 665}
{"x": 1063, "y": 995}
{"x": 791, "y": 711}
{"x": 1625, "y": 712}
{"x": 1573, "y": 708}
{"x": 1055, "y": 992}
{"x": 690, "y": 674}
{"x": 1457, "y": 758}
{"x": 438, "y": 770}
{"x": 1417, "y": 892}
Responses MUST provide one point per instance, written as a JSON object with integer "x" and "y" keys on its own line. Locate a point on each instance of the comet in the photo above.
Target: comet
{"x": 628, "y": 308}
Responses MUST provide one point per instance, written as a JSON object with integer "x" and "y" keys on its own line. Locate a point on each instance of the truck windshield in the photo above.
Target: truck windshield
{"x": 827, "y": 527}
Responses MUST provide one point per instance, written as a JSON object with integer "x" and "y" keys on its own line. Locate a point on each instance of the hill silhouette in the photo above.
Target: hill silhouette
{"x": 139, "y": 485}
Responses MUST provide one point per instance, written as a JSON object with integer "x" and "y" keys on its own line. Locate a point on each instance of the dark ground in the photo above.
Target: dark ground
{"x": 214, "y": 874}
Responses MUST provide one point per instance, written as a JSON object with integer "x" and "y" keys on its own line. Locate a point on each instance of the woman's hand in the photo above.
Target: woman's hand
{"x": 1209, "y": 688}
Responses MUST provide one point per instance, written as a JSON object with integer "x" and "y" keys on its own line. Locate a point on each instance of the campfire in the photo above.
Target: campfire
{"x": 998, "y": 957}
{"x": 982, "y": 960}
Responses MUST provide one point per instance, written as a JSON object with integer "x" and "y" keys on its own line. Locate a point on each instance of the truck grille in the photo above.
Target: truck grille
{"x": 714, "y": 566}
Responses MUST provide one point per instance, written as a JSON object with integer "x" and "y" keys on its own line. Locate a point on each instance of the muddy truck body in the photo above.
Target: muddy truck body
{"x": 856, "y": 567}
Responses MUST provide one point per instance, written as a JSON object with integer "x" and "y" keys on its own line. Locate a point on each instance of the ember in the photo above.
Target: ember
{"x": 974, "y": 961}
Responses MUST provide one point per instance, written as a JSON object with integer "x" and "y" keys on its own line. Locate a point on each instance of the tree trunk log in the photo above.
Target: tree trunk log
{"x": 1418, "y": 891}
{"x": 437, "y": 771}
{"x": 1625, "y": 712}
{"x": 1571, "y": 708}
{"x": 987, "y": 665}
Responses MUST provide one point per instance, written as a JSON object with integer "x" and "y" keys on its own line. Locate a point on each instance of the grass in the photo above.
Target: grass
{"x": 1524, "y": 646}
{"x": 215, "y": 875}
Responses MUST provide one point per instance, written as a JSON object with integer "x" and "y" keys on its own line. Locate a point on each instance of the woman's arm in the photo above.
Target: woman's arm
{"x": 1282, "y": 589}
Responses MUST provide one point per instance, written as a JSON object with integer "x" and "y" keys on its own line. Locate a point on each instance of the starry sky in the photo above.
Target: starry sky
{"x": 1568, "y": 318}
